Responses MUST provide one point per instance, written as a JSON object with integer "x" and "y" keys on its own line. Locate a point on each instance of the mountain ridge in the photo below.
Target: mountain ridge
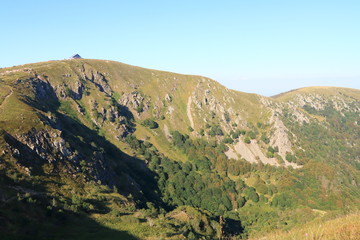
{"x": 162, "y": 148}
{"x": 136, "y": 66}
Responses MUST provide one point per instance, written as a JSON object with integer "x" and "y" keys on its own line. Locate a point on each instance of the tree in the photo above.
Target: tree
{"x": 251, "y": 194}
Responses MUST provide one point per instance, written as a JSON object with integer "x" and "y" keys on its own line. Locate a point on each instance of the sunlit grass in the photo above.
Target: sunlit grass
{"x": 342, "y": 228}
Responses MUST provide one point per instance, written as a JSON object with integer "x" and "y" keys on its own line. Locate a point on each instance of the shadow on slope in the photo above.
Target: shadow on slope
{"x": 25, "y": 213}
{"x": 112, "y": 167}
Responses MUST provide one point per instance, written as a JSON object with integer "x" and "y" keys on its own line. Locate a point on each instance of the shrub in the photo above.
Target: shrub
{"x": 251, "y": 135}
{"x": 140, "y": 108}
{"x": 270, "y": 154}
{"x": 282, "y": 200}
{"x": 227, "y": 117}
{"x": 265, "y": 139}
{"x": 228, "y": 140}
{"x": 279, "y": 159}
{"x": 150, "y": 123}
{"x": 290, "y": 158}
{"x": 241, "y": 202}
{"x": 251, "y": 194}
{"x": 202, "y": 132}
{"x": 216, "y": 131}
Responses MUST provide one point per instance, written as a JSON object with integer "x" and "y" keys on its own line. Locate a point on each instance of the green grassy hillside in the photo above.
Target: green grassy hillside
{"x": 99, "y": 149}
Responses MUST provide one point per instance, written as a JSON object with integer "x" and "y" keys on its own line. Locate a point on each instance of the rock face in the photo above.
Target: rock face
{"x": 49, "y": 146}
{"x": 280, "y": 136}
{"x": 78, "y": 90}
{"x": 135, "y": 101}
{"x": 99, "y": 80}
{"x": 40, "y": 146}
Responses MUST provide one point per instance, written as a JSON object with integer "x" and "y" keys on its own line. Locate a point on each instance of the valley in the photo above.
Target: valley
{"x": 97, "y": 149}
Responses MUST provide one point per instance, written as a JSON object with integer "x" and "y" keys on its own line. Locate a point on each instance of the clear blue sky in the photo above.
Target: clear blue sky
{"x": 261, "y": 46}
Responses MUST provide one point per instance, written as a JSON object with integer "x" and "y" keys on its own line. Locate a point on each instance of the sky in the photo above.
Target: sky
{"x": 260, "y": 46}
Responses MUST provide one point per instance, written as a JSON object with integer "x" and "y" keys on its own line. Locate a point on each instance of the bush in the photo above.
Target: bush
{"x": 251, "y": 135}
{"x": 140, "y": 108}
{"x": 228, "y": 140}
{"x": 251, "y": 194}
{"x": 178, "y": 138}
{"x": 270, "y": 154}
{"x": 202, "y": 132}
{"x": 216, "y": 131}
{"x": 265, "y": 139}
{"x": 241, "y": 202}
{"x": 247, "y": 140}
{"x": 271, "y": 149}
{"x": 282, "y": 200}
{"x": 150, "y": 123}
{"x": 290, "y": 158}
{"x": 279, "y": 159}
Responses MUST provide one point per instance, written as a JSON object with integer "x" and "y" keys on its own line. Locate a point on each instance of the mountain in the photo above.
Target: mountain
{"x": 100, "y": 149}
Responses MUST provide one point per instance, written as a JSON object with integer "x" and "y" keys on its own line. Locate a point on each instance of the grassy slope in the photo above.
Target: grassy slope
{"x": 124, "y": 79}
{"x": 156, "y": 84}
{"x": 341, "y": 228}
{"x": 324, "y": 91}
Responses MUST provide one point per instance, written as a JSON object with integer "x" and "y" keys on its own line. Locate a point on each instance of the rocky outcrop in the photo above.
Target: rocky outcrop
{"x": 135, "y": 101}
{"x": 38, "y": 147}
{"x": 49, "y": 145}
{"x": 279, "y": 136}
{"x": 44, "y": 90}
{"x": 97, "y": 78}
{"x": 78, "y": 90}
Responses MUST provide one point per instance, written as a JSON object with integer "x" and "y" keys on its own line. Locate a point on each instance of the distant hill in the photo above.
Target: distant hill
{"x": 99, "y": 148}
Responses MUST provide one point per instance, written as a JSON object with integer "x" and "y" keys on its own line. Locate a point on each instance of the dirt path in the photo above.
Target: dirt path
{"x": 6, "y": 97}
{"x": 188, "y": 111}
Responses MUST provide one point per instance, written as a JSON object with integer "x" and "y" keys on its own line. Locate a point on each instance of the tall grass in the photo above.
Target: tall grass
{"x": 342, "y": 228}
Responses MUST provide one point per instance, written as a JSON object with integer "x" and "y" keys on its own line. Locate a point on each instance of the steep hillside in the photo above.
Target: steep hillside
{"x": 143, "y": 153}
{"x": 344, "y": 227}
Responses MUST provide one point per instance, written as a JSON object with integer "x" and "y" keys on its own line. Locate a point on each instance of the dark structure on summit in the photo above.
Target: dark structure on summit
{"x": 76, "y": 56}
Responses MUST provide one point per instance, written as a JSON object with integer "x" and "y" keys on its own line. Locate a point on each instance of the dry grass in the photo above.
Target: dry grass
{"x": 325, "y": 91}
{"x": 342, "y": 228}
